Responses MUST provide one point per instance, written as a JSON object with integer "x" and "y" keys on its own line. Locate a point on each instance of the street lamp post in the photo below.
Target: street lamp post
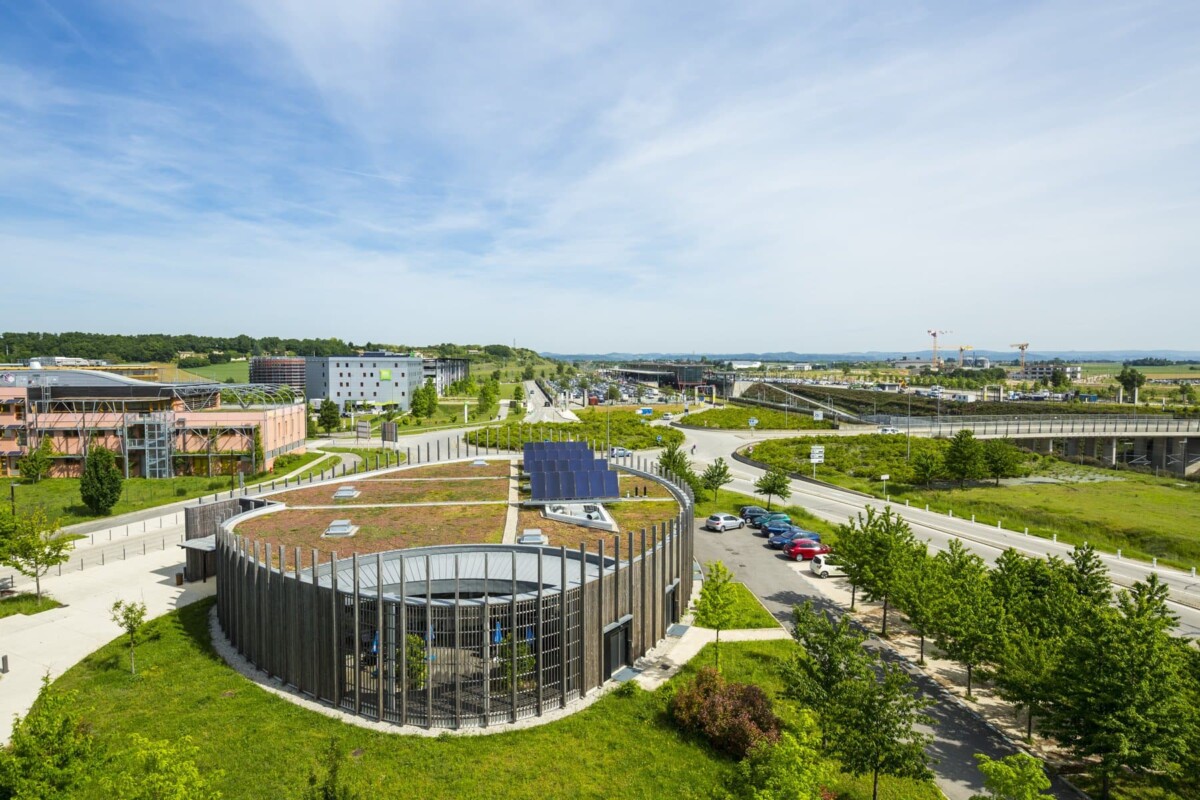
{"x": 908, "y": 453}
{"x": 12, "y": 498}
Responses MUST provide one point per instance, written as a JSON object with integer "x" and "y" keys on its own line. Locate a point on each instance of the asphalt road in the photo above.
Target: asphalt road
{"x": 837, "y": 505}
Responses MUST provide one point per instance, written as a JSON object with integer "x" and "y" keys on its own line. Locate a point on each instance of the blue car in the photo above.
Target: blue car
{"x": 781, "y": 540}
{"x": 776, "y": 527}
{"x": 766, "y": 519}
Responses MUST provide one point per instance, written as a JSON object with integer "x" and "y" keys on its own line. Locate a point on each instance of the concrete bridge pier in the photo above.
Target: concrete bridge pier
{"x": 1071, "y": 448}
{"x": 1187, "y": 457}
{"x": 1140, "y": 454}
{"x": 1108, "y": 451}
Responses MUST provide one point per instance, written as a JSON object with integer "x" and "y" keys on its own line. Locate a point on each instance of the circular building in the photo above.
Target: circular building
{"x": 454, "y": 636}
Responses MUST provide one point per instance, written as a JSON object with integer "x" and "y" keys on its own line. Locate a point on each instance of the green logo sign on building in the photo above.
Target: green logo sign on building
{"x": 385, "y": 374}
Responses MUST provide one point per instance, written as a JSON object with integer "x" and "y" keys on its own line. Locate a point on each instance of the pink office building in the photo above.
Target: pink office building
{"x": 157, "y": 430}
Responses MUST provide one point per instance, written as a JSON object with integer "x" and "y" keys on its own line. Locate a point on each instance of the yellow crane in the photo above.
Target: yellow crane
{"x": 961, "y": 349}
{"x": 936, "y": 363}
{"x": 1022, "y": 347}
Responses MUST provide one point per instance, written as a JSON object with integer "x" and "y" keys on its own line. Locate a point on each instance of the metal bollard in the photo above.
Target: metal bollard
{"x": 950, "y": 513}
{"x": 972, "y": 518}
{"x": 124, "y": 555}
{"x": 1054, "y": 537}
{"x": 1027, "y": 531}
{"x": 143, "y": 547}
{"x": 1000, "y": 523}
{"x": 927, "y": 506}
{"x": 1154, "y": 563}
{"x": 1119, "y": 556}
{"x": 102, "y": 558}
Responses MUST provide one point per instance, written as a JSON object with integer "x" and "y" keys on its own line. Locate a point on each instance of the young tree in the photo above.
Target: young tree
{"x": 674, "y": 461}
{"x": 775, "y": 483}
{"x": 874, "y": 725}
{"x": 260, "y": 459}
{"x": 918, "y": 591}
{"x": 331, "y": 785}
{"x": 926, "y": 467}
{"x": 1122, "y": 690}
{"x": 100, "y": 484}
{"x": 35, "y": 464}
{"x": 829, "y": 654}
{"x": 1089, "y": 576}
{"x": 329, "y": 418}
{"x": 714, "y": 609}
{"x": 1015, "y": 777}
{"x": 310, "y": 423}
{"x": 1131, "y": 381}
{"x": 50, "y": 751}
{"x": 614, "y": 393}
{"x": 33, "y": 546}
{"x": 1001, "y": 459}
{"x": 518, "y": 394}
{"x": 129, "y": 616}
{"x": 164, "y": 769}
{"x": 715, "y": 476}
{"x": 964, "y": 458}
{"x": 966, "y": 617}
{"x": 883, "y": 545}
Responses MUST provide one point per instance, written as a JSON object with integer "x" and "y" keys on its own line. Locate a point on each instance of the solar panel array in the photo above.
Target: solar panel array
{"x": 568, "y": 471}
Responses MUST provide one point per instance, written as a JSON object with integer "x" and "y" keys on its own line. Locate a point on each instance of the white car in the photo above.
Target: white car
{"x": 826, "y": 566}
{"x": 889, "y": 430}
{"x": 724, "y": 522}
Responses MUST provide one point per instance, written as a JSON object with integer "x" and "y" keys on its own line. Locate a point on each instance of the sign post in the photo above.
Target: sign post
{"x": 818, "y": 416}
{"x": 884, "y": 478}
{"x": 753, "y": 422}
{"x": 816, "y": 456}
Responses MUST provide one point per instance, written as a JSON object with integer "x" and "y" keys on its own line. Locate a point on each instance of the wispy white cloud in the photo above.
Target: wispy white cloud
{"x": 1006, "y": 170}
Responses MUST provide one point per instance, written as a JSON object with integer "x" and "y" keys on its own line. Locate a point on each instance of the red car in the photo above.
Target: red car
{"x": 802, "y": 549}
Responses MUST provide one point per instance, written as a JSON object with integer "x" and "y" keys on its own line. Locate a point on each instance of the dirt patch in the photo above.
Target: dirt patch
{"x": 379, "y": 529}
{"x": 373, "y": 493}
{"x": 457, "y": 469}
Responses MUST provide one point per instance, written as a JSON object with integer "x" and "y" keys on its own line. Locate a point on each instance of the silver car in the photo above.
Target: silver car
{"x": 724, "y": 522}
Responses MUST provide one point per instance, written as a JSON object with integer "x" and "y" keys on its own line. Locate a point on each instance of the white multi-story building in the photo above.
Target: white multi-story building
{"x": 373, "y": 379}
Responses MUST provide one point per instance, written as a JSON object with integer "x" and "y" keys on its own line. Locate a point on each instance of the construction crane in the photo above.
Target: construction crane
{"x": 961, "y": 349}
{"x": 936, "y": 364}
{"x": 1022, "y": 347}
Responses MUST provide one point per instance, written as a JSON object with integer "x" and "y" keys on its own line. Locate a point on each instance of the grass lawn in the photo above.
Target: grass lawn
{"x": 635, "y": 485}
{"x": 396, "y": 490}
{"x": 370, "y": 454}
{"x": 26, "y": 604}
{"x": 60, "y": 496}
{"x": 457, "y": 469}
{"x": 238, "y": 370}
{"x": 633, "y": 515}
{"x": 619, "y": 747}
{"x": 380, "y": 529}
{"x": 748, "y": 612}
{"x": 738, "y": 418}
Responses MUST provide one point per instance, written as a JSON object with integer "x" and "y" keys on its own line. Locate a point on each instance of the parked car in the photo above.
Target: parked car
{"x": 826, "y": 566}
{"x": 784, "y": 538}
{"x": 621, "y": 452}
{"x": 767, "y": 519}
{"x": 888, "y": 429}
{"x": 724, "y": 522}
{"x": 803, "y": 549}
{"x": 747, "y": 512}
{"x": 775, "y": 528}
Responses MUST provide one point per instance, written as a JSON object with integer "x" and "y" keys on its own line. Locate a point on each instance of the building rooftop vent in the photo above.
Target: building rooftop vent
{"x": 340, "y": 528}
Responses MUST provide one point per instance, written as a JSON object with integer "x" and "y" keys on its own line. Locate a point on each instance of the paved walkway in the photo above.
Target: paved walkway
{"x": 54, "y": 641}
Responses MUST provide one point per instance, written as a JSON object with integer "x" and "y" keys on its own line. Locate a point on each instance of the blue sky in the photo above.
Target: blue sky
{"x": 605, "y": 176}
